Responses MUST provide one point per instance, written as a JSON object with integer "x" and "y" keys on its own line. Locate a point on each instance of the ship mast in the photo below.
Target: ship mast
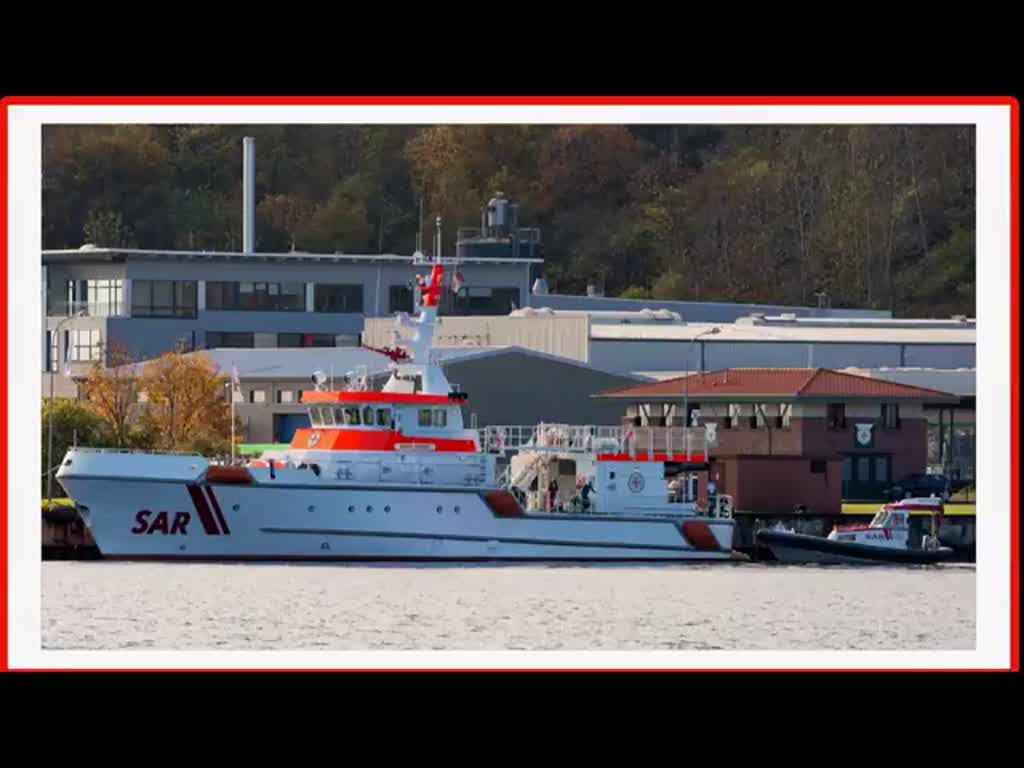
{"x": 420, "y": 339}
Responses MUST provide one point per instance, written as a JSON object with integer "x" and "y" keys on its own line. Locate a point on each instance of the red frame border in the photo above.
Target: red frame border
{"x": 625, "y": 100}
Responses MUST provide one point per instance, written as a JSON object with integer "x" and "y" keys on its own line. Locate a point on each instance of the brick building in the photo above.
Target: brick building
{"x": 779, "y": 438}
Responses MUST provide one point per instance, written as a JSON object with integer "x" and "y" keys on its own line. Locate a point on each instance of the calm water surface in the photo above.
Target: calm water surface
{"x": 172, "y": 606}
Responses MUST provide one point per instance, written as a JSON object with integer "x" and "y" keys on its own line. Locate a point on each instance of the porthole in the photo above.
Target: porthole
{"x": 311, "y": 508}
{"x": 456, "y": 510}
{"x": 439, "y": 510}
{"x": 236, "y": 507}
{"x": 369, "y": 509}
{"x": 351, "y": 509}
{"x": 387, "y": 509}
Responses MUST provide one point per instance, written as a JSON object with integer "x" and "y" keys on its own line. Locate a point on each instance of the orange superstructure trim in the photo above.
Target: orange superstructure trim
{"x": 372, "y": 440}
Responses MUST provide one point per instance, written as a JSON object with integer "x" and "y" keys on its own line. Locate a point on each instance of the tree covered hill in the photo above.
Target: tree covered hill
{"x": 874, "y": 216}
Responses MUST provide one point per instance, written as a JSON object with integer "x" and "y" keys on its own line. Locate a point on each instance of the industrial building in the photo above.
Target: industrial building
{"x": 660, "y": 343}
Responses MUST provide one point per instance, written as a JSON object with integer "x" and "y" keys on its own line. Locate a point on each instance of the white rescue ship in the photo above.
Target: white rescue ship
{"x": 394, "y": 475}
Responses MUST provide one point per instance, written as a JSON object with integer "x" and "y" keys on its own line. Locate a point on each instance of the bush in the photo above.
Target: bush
{"x": 71, "y": 421}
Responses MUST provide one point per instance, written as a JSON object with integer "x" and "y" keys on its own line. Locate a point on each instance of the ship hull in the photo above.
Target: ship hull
{"x": 180, "y": 518}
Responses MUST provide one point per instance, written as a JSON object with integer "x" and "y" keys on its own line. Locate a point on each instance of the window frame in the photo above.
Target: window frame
{"x": 326, "y": 301}
{"x": 179, "y": 298}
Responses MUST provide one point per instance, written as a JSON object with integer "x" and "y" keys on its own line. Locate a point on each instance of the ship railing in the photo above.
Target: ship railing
{"x": 591, "y": 438}
{"x": 91, "y": 449}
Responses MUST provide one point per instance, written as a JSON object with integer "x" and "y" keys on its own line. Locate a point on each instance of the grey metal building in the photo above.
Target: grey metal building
{"x": 154, "y": 301}
{"x": 659, "y": 343}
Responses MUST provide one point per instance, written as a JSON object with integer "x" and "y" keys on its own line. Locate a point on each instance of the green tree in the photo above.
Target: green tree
{"x": 72, "y": 421}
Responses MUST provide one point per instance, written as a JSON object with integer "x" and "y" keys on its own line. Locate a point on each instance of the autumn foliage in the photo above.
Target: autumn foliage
{"x": 185, "y": 408}
{"x": 173, "y": 403}
{"x": 869, "y": 216}
{"x": 111, "y": 393}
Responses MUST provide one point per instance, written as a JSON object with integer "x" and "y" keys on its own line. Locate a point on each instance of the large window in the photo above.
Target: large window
{"x": 835, "y": 416}
{"x": 99, "y": 298}
{"x": 53, "y": 363}
{"x": 266, "y": 297}
{"x": 85, "y": 345}
{"x": 400, "y": 299}
{"x": 103, "y": 297}
{"x": 890, "y": 416}
{"x": 215, "y": 339}
{"x": 163, "y": 298}
{"x": 481, "y": 301}
{"x": 338, "y": 298}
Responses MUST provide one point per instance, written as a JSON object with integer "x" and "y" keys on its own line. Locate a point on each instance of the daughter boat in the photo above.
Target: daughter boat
{"x": 393, "y": 475}
{"x": 885, "y": 540}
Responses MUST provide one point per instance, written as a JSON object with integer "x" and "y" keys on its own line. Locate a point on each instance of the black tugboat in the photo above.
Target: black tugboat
{"x": 885, "y": 540}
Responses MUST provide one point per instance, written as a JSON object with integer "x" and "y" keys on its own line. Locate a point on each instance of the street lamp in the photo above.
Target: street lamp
{"x": 49, "y": 418}
{"x": 686, "y": 393}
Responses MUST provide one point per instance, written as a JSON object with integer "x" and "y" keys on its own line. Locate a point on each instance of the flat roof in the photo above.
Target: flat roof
{"x": 110, "y": 254}
{"x": 924, "y": 333}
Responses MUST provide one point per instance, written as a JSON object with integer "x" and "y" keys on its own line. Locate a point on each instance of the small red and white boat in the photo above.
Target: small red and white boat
{"x": 885, "y": 540}
{"x": 394, "y": 475}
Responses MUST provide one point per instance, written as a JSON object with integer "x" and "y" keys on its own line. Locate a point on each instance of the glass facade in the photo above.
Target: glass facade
{"x": 338, "y": 298}
{"x": 262, "y": 297}
{"x": 164, "y": 298}
{"x": 222, "y": 339}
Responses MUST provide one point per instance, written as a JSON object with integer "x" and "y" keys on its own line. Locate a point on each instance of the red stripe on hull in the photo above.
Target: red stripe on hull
{"x": 205, "y": 517}
{"x": 217, "y": 512}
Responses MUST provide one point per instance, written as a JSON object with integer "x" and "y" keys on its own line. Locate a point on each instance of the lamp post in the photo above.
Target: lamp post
{"x": 686, "y": 384}
{"x": 49, "y": 415}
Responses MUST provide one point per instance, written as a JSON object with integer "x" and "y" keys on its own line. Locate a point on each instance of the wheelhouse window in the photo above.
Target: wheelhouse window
{"x": 383, "y": 417}
{"x": 261, "y": 297}
{"x": 440, "y": 418}
{"x": 335, "y": 297}
{"x": 352, "y": 417}
{"x": 890, "y": 416}
{"x": 426, "y": 419}
{"x": 368, "y": 416}
{"x": 836, "y": 416}
{"x": 163, "y": 298}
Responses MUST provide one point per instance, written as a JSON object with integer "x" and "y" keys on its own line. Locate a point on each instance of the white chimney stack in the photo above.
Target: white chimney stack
{"x": 249, "y": 194}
